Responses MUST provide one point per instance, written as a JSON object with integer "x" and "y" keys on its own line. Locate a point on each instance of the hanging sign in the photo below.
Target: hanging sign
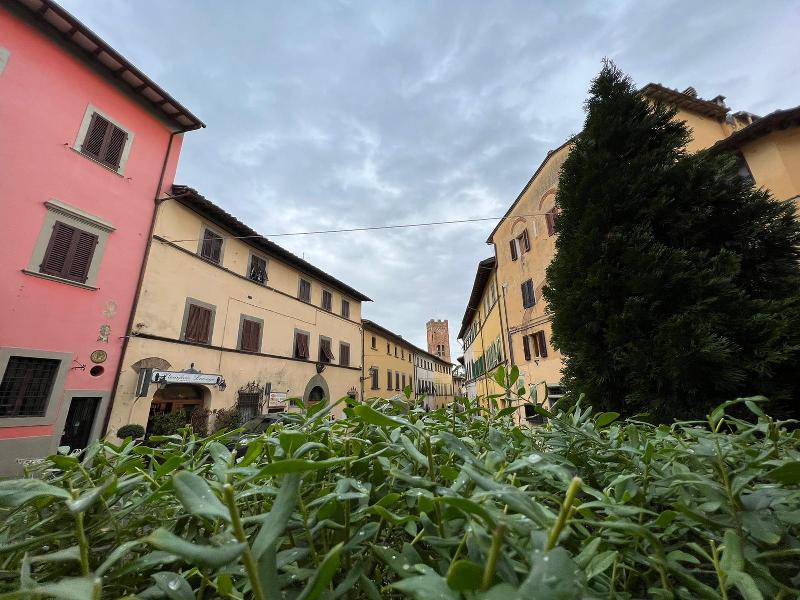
{"x": 187, "y": 377}
{"x": 277, "y": 397}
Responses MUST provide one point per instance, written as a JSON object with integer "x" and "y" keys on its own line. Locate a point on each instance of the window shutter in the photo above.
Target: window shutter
{"x": 526, "y": 241}
{"x": 397, "y": 381}
{"x": 116, "y": 143}
{"x": 526, "y": 347}
{"x": 513, "y": 244}
{"x": 550, "y": 218}
{"x": 55, "y": 257}
{"x": 258, "y": 269}
{"x": 198, "y": 324}
{"x": 345, "y": 309}
{"x": 84, "y": 244}
{"x": 542, "y": 344}
{"x": 95, "y": 137}
{"x": 389, "y": 379}
{"x": 251, "y": 332}
{"x": 344, "y": 355}
{"x": 301, "y": 345}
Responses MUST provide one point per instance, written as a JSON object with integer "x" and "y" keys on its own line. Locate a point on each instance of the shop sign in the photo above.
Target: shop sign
{"x": 277, "y": 397}
{"x": 187, "y": 377}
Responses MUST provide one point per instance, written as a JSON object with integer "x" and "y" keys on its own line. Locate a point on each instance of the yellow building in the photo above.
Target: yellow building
{"x": 391, "y": 363}
{"x": 226, "y": 317}
{"x": 481, "y": 334}
{"x": 524, "y": 240}
{"x": 388, "y": 362}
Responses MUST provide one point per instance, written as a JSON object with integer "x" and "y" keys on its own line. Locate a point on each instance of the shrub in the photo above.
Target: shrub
{"x": 391, "y": 502}
{"x": 167, "y": 423}
{"x": 132, "y": 430}
{"x": 199, "y": 421}
{"x": 227, "y": 418}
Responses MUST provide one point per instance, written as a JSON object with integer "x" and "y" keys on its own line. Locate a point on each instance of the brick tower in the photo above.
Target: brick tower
{"x": 439, "y": 338}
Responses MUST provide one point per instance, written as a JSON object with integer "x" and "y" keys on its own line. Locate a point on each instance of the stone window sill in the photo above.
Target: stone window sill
{"x": 59, "y": 279}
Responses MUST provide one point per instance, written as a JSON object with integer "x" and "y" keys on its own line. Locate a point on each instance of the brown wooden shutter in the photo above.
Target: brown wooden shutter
{"x": 550, "y": 218}
{"x": 251, "y": 332}
{"x": 301, "y": 345}
{"x": 542, "y": 344}
{"x": 212, "y": 246}
{"x": 55, "y": 257}
{"x": 116, "y": 143}
{"x": 526, "y": 242}
{"x": 198, "y": 324}
{"x": 513, "y": 245}
{"x": 84, "y": 244}
{"x": 95, "y": 137}
{"x": 344, "y": 355}
{"x": 526, "y": 347}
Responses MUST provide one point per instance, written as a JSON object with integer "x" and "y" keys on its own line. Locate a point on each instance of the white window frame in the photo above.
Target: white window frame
{"x": 84, "y": 128}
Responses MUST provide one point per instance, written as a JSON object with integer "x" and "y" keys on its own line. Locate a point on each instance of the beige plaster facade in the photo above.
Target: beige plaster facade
{"x": 177, "y": 276}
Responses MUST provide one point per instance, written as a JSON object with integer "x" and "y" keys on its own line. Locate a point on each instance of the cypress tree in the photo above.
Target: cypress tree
{"x": 675, "y": 283}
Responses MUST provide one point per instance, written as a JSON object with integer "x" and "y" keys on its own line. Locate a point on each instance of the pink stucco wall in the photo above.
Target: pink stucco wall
{"x": 44, "y": 93}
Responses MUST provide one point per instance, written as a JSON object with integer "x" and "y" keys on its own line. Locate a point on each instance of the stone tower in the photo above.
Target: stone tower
{"x": 439, "y": 338}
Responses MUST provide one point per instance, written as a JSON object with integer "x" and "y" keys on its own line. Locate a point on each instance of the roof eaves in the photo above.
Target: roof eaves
{"x": 701, "y": 106}
{"x": 68, "y": 27}
{"x": 199, "y": 203}
{"x": 779, "y": 119}
{"x": 482, "y": 274}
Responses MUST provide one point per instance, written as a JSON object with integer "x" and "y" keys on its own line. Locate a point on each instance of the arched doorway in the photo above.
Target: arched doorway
{"x": 316, "y": 394}
{"x": 316, "y": 390}
{"x": 176, "y": 398}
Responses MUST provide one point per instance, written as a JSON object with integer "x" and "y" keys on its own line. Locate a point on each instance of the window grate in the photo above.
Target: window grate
{"x": 26, "y": 386}
{"x": 249, "y": 404}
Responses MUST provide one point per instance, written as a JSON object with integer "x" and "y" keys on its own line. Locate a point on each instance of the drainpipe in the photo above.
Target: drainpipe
{"x": 363, "y": 362}
{"x": 140, "y": 281}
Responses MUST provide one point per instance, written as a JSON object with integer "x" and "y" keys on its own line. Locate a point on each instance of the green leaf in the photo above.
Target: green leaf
{"x": 73, "y": 553}
{"x": 323, "y": 575}
{"x": 553, "y": 576}
{"x": 665, "y": 518}
{"x": 317, "y": 407}
{"x": 373, "y": 417}
{"x": 514, "y": 376}
{"x": 426, "y": 587}
{"x": 297, "y": 465}
{"x": 500, "y": 376}
{"x": 681, "y": 556}
{"x": 541, "y": 410}
{"x": 787, "y": 474}
{"x": 745, "y": 584}
{"x": 277, "y": 518}
{"x": 464, "y": 575}
{"x": 203, "y": 555}
{"x": 407, "y": 391}
{"x": 16, "y": 492}
{"x": 83, "y": 502}
{"x": 502, "y": 591}
{"x": 732, "y": 558}
{"x": 115, "y": 555}
{"x": 605, "y": 418}
{"x": 469, "y": 507}
{"x": 197, "y": 496}
{"x": 173, "y": 585}
{"x": 291, "y": 440}
{"x": 600, "y": 563}
{"x": 70, "y": 588}
{"x": 509, "y": 410}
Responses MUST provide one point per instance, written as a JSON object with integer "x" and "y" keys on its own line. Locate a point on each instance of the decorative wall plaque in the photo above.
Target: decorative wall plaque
{"x": 99, "y": 356}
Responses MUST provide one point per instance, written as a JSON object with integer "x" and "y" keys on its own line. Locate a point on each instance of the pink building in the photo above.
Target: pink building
{"x": 87, "y": 145}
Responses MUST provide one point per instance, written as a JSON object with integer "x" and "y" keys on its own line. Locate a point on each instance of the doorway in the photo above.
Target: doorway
{"x": 79, "y": 422}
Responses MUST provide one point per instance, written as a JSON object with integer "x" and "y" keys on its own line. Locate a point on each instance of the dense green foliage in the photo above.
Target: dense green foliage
{"x": 396, "y": 502}
{"x": 675, "y": 283}
{"x": 132, "y": 430}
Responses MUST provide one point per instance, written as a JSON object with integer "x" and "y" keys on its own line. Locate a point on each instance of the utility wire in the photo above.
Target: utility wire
{"x": 355, "y": 229}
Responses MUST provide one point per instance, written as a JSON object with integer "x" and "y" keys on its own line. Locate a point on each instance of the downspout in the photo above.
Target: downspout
{"x": 140, "y": 281}
{"x": 363, "y": 361}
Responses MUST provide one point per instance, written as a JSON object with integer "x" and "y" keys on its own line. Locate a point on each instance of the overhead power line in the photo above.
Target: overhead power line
{"x": 356, "y": 229}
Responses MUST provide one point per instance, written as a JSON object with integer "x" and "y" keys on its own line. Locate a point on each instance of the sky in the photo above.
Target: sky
{"x": 328, "y": 115}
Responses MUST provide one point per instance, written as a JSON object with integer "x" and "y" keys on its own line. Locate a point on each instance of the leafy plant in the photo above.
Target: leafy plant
{"x": 168, "y": 423}
{"x": 391, "y": 501}
{"x": 132, "y": 430}
{"x": 199, "y": 421}
{"x": 227, "y": 418}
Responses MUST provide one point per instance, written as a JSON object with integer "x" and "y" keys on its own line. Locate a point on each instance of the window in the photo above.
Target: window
{"x": 550, "y": 219}
{"x": 389, "y": 379}
{"x": 395, "y": 349}
{"x": 345, "y": 309}
{"x": 388, "y": 348}
{"x": 403, "y": 382}
{"x": 514, "y": 251}
{"x": 250, "y": 334}
{"x": 325, "y": 352}
{"x": 104, "y": 141}
{"x": 528, "y": 297}
{"x": 248, "y": 404}
{"x": 26, "y": 386}
{"x": 402, "y": 354}
{"x": 534, "y": 345}
{"x": 374, "y": 343}
{"x": 69, "y": 253}
{"x": 211, "y": 246}
{"x": 523, "y": 242}
{"x": 396, "y": 381}
{"x": 304, "y": 292}
{"x": 198, "y": 323}
{"x": 344, "y": 354}
{"x": 301, "y": 344}
{"x": 258, "y": 269}
{"x": 373, "y": 373}
{"x": 327, "y": 300}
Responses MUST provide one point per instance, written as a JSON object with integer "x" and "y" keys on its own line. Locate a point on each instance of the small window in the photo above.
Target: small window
{"x": 389, "y": 379}
{"x": 327, "y": 300}
{"x": 258, "y": 269}
{"x": 514, "y": 251}
{"x": 403, "y": 382}
{"x": 211, "y": 246}
{"x": 26, "y": 386}
{"x": 69, "y": 253}
{"x": 523, "y": 242}
{"x": 374, "y": 377}
{"x": 528, "y": 296}
{"x": 395, "y": 350}
{"x": 402, "y": 354}
{"x": 249, "y": 405}
{"x": 325, "y": 352}
{"x": 550, "y": 219}
{"x": 374, "y": 343}
{"x": 344, "y": 354}
{"x": 198, "y": 324}
{"x": 345, "y": 309}
{"x": 104, "y": 141}
{"x": 305, "y": 291}
{"x": 388, "y": 348}
{"x": 250, "y": 336}
{"x": 300, "y": 345}
{"x": 397, "y": 381}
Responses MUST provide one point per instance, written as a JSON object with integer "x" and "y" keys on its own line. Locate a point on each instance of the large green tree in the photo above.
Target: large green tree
{"x": 675, "y": 283}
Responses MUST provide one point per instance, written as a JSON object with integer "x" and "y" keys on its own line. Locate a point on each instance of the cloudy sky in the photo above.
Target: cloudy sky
{"x": 325, "y": 115}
